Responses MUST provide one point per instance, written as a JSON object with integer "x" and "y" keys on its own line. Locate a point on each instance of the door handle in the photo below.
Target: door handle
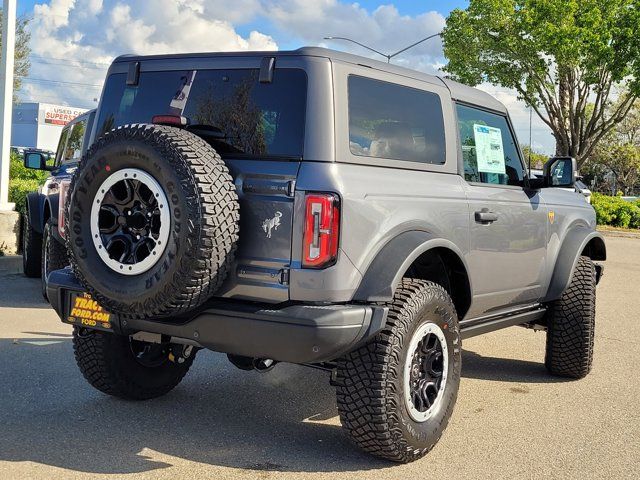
{"x": 485, "y": 217}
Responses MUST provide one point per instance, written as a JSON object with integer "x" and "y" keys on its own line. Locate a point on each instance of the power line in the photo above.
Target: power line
{"x": 59, "y": 82}
{"x": 55, "y": 100}
{"x": 68, "y": 64}
{"x": 70, "y": 60}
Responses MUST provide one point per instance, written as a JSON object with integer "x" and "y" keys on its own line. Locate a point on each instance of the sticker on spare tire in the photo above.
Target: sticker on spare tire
{"x": 84, "y": 311}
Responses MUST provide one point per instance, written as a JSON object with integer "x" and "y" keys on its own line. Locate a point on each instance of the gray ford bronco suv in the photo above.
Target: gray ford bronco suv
{"x": 323, "y": 209}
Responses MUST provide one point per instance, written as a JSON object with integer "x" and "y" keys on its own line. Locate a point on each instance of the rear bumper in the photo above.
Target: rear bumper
{"x": 295, "y": 333}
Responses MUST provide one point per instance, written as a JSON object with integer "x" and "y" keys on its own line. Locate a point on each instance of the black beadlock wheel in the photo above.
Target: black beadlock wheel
{"x": 396, "y": 394}
{"x": 571, "y": 325}
{"x": 126, "y": 368}
{"x": 31, "y": 249}
{"x": 54, "y": 255}
{"x": 153, "y": 220}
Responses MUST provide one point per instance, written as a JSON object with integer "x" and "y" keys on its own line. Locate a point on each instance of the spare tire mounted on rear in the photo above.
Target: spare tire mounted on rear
{"x": 152, "y": 221}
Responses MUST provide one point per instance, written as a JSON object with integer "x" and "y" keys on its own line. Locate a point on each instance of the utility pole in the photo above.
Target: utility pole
{"x": 6, "y": 98}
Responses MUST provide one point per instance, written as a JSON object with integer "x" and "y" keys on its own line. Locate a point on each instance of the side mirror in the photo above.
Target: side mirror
{"x": 35, "y": 160}
{"x": 560, "y": 172}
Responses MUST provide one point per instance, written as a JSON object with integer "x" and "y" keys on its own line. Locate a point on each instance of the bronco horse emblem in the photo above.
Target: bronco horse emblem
{"x": 271, "y": 224}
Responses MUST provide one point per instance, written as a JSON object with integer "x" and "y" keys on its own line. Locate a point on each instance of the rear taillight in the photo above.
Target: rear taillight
{"x": 62, "y": 203}
{"x": 321, "y": 230}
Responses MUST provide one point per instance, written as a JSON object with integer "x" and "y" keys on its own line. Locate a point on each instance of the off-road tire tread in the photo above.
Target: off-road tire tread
{"x": 57, "y": 254}
{"x": 32, "y": 249}
{"x": 96, "y": 355}
{"x": 366, "y": 402}
{"x": 571, "y": 325}
{"x": 212, "y": 237}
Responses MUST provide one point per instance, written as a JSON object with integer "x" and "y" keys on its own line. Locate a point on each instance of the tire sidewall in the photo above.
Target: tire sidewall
{"x": 46, "y": 238}
{"x": 424, "y": 434}
{"x": 25, "y": 241}
{"x": 152, "y": 287}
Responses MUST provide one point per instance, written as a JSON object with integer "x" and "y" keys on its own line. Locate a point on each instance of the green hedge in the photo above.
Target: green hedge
{"x": 615, "y": 211}
{"x": 22, "y": 181}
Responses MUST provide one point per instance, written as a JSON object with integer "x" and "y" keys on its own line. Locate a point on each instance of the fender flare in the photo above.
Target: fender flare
{"x": 384, "y": 273}
{"x": 574, "y": 243}
{"x": 35, "y": 210}
{"x": 53, "y": 203}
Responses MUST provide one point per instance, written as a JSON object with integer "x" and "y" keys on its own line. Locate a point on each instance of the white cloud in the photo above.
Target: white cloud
{"x": 384, "y": 29}
{"x": 74, "y": 40}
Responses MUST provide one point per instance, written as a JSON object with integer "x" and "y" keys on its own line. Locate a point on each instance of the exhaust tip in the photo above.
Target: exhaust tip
{"x": 263, "y": 364}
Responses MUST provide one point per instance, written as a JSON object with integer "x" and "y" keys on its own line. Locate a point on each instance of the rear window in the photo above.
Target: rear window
{"x": 395, "y": 122}
{"x": 231, "y": 109}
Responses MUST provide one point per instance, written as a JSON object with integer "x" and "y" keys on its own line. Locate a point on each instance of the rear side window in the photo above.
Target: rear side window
{"x": 231, "y": 109}
{"x": 395, "y": 122}
{"x": 489, "y": 149}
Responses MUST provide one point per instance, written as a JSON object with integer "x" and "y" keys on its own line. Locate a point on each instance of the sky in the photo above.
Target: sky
{"x": 73, "y": 41}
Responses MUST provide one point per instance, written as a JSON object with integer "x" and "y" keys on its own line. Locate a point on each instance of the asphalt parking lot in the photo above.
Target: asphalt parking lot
{"x": 511, "y": 420}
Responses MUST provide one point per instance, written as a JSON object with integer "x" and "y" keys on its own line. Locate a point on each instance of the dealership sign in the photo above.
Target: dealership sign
{"x": 59, "y": 115}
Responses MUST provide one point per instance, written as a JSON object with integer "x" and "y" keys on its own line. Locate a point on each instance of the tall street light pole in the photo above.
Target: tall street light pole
{"x": 6, "y": 98}
{"x": 385, "y": 55}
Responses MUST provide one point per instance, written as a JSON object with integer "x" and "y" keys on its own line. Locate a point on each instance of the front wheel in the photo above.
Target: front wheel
{"x": 396, "y": 393}
{"x": 571, "y": 322}
{"x": 123, "y": 367}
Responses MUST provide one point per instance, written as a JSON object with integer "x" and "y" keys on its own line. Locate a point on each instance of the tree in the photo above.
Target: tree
{"x": 568, "y": 59}
{"x": 619, "y": 153}
{"x": 23, "y": 50}
{"x": 623, "y": 160}
{"x": 537, "y": 159}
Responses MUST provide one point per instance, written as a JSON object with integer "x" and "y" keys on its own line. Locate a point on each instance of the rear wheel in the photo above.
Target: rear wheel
{"x": 54, "y": 255}
{"x": 31, "y": 249}
{"x": 571, "y": 325}
{"x": 396, "y": 394}
{"x": 120, "y": 366}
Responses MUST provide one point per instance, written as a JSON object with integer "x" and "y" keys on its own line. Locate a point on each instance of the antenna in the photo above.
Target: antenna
{"x": 386, "y": 55}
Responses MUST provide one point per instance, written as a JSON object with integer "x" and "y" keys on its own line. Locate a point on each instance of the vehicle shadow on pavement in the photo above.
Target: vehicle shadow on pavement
{"x": 219, "y": 415}
{"x": 476, "y": 366}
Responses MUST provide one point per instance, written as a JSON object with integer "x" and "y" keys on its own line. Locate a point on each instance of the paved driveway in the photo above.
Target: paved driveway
{"x": 511, "y": 421}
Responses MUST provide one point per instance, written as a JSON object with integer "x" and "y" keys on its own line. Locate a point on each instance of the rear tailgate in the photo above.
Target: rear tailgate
{"x": 265, "y": 190}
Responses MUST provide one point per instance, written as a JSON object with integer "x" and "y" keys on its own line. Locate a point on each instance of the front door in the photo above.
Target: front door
{"x": 508, "y": 223}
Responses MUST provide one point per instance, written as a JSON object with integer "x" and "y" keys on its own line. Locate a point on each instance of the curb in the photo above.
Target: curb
{"x": 619, "y": 233}
{"x": 11, "y": 264}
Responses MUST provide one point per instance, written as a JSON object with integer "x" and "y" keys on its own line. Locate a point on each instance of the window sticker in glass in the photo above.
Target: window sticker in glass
{"x": 489, "y": 149}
